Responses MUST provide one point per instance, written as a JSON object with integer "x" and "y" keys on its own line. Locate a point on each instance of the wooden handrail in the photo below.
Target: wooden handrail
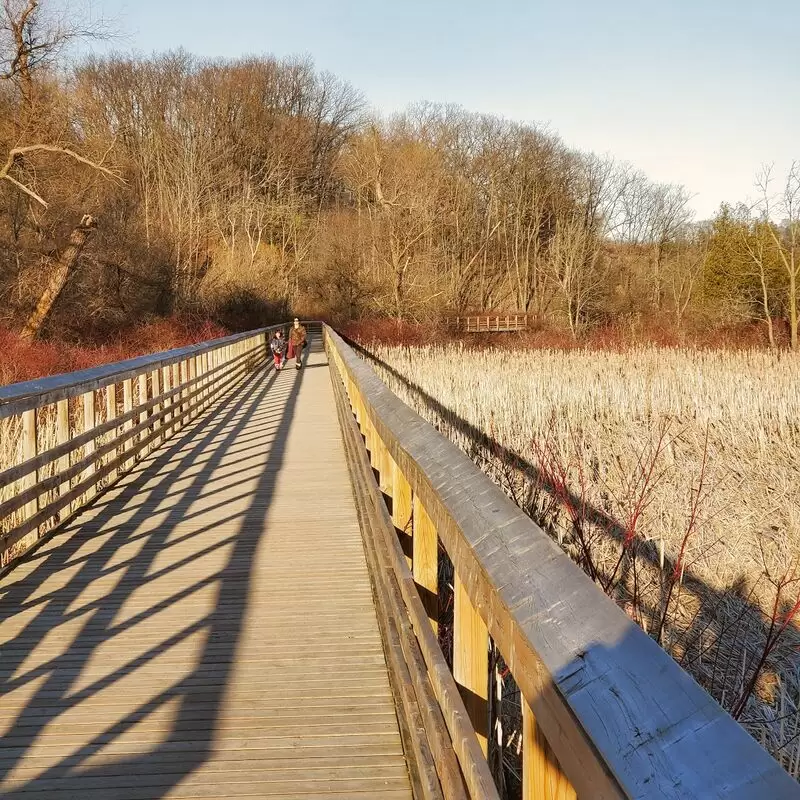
{"x": 160, "y": 393}
{"x": 19, "y": 397}
{"x": 607, "y": 713}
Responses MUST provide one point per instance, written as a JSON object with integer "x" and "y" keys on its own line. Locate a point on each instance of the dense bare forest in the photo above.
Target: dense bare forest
{"x": 241, "y": 190}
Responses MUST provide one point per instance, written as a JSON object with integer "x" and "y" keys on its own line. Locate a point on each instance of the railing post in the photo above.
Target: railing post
{"x": 166, "y": 379}
{"x": 471, "y": 660}
{"x": 127, "y": 407}
{"x": 89, "y": 420}
{"x": 542, "y": 778}
{"x": 402, "y": 510}
{"x": 425, "y": 561}
{"x": 30, "y": 449}
{"x": 142, "y": 381}
{"x": 191, "y": 376}
{"x": 62, "y": 437}
{"x": 155, "y": 385}
{"x": 111, "y": 413}
{"x": 358, "y": 409}
{"x": 177, "y": 380}
{"x": 384, "y": 466}
{"x": 205, "y": 369}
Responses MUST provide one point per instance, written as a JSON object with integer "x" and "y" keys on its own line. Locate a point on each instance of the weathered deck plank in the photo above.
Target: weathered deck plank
{"x": 206, "y": 629}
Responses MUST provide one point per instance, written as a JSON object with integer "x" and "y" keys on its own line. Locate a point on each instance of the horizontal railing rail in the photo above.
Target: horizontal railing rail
{"x": 606, "y": 712}
{"x": 18, "y": 397}
{"x": 66, "y": 437}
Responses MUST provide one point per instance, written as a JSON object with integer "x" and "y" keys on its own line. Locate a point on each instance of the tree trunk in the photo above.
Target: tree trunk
{"x": 765, "y": 305}
{"x": 793, "y": 306}
{"x": 66, "y": 261}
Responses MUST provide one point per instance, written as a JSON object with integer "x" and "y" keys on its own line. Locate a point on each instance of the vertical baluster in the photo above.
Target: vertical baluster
{"x": 383, "y": 464}
{"x": 213, "y": 362}
{"x": 158, "y": 422}
{"x": 191, "y": 376}
{"x": 206, "y": 368}
{"x": 542, "y": 778}
{"x": 425, "y": 561}
{"x": 374, "y": 458}
{"x": 111, "y": 414}
{"x": 127, "y": 407}
{"x": 471, "y": 660}
{"x": 62, "y": 437}
{"x": 183, "y": 379}
{"x": 89, "y": 421}
{"x": 358, "y": 410}
{"x": 166, "y": 380}
{"x": 176, "y": 400}
{"x": 402, "y": 510}
{"x": 30, "y": 449}
{"x": 143, "y": 414}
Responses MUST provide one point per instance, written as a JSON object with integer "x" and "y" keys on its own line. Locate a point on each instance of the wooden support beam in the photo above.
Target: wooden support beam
{"x": 166, "y": 378}
{"x": 62, "y": 437}
{"x": 471, "y": 660}
{"x": 191, "y": 375}
{"x": 142, "y": 398}
{"x": 385, "y": 462}
{"x": 425, "y": 561}
{"x": 403, "y": 510}
{"x": 155, "y": 385}
{"x": 127, "y": 406}
{"x": 111, "y": 413}
{"x": 30, "y": 449}
{"x": 542, "y": 778}
{"x": 177, "y": 400}
{"x": 89, "y": 422}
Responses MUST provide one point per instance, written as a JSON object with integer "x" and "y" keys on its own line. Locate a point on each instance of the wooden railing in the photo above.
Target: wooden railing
{"x": 488, "y": 323}
{"x": 66, "y": 437}
{"x": 606, "y": 712}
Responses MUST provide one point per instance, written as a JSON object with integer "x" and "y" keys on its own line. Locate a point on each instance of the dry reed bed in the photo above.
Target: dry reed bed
{"x": 681, "y": 458}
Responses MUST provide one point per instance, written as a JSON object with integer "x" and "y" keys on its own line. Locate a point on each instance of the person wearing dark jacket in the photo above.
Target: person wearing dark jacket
{"x": 297, "y": 341}
{"x": 278, "y": 347}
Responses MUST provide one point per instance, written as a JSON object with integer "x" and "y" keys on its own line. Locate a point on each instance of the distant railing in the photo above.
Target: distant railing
{"x": 70, "y": 435}
{"x": 606, "y": 712}
{"x": 488, "y": 323}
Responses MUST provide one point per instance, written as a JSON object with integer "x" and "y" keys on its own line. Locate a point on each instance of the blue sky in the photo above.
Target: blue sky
{"x": 700, "y": 93}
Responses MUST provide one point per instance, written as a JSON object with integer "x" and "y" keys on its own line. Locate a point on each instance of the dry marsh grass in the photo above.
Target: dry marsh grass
{"x": 672, "y": 476}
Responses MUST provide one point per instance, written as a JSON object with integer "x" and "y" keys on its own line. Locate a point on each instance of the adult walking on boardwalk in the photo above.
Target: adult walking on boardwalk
{"x": 297, "y": 341}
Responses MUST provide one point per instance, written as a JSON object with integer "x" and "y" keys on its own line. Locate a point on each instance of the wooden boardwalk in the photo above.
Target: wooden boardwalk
{"x": 206, "y": 628}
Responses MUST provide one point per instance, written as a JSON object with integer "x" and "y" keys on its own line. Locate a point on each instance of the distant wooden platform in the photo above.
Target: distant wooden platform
{"x": 488, "y": 323}
{"x": 206, "y": 628}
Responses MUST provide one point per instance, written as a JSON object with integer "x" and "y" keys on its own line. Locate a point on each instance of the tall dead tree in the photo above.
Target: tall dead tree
{"x": 59, "y": 276}
{"x": 78, "y": 238}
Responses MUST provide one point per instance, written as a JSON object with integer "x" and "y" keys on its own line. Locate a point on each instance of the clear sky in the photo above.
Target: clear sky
{"x": 698, "y": 92}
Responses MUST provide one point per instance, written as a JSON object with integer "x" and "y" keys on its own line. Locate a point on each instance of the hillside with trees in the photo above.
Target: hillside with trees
{"x": 241, "y": 191}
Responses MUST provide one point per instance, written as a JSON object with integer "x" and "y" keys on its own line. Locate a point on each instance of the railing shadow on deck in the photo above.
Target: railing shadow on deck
{"x": 55, "y": 687}
{"x": 726, "y": 615}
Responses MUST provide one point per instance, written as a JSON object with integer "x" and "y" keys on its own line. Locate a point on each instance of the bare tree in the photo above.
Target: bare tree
{"x": 785, "y": 237}
{"x": 34, "y": 34}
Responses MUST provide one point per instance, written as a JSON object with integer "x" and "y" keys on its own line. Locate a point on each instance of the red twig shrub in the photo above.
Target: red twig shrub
{"x": 22, "y": 360}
